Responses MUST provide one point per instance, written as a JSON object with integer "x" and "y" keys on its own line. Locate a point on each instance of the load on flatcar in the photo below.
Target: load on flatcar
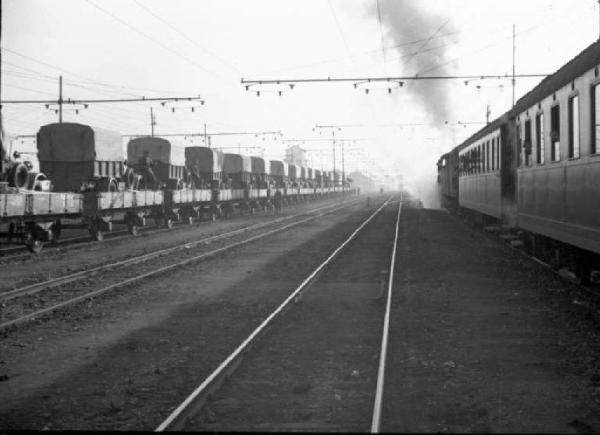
{"x": 159, "y": 163}
{"x": 205, "y": 166}
{"x": 260, "y": 173}
{"x": 279, "y": 173}
{"x": 77, "y": 157}
{"x": 237, "y": 170}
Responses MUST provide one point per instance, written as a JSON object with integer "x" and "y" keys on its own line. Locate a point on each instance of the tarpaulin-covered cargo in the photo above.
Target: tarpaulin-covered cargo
{"x": 205, "y": 159}
{"x": 258, "y": 165}
{"x": 278, "y": 172}
{"x": 168, "y": 159}
{"x": 159, "y": 150}
{"x": 205, "y": 164}
{"x": 71, "y": 154}
{"x": 237, "y": 169}
{"x": 293, "y": 171}
{"x": 71, "y": 142}
{"x": 260, "y": 172}
{"x": 278, "y": 168}
{"x": 233, "y": 163}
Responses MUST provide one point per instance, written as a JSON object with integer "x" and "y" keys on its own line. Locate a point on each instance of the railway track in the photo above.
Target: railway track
{"x": 43, "y": 298}
{"x": 241, "y": 395}
{"x": 8, "y": 254}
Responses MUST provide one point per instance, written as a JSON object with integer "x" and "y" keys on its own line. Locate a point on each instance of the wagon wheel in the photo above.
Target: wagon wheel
{"x": 18, "y": 176}
{"x": 34, "y": 245}
{"x": 56, "y": 229}
{"x": 133, "y": 229}
{"x": 96, "y": 233}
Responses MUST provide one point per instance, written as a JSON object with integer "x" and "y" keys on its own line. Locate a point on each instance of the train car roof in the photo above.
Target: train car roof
{"x": 584, "y": 61}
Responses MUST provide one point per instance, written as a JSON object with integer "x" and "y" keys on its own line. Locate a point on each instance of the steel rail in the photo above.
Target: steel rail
{"x": 376, "y": 420}
{"x": 113, "y": 235}
{"x": 160, "y": 270}
{"x": 194, "y": 401}
{"x": 83, "y": 240}
{"x": 55, "y": 282}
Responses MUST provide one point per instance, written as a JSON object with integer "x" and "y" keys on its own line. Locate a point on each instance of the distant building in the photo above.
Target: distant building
{"x": 364, "y": 183}
{"x": 295, "y": 155}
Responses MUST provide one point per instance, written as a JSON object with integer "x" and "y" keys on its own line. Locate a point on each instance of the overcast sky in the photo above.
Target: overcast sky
{"x": 129, "y": 48}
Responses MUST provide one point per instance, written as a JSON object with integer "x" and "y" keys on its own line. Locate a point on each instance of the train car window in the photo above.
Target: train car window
{"x": 483, "y": 157}
{"x": 493, "y": 154}
{"x": 487, "y": 156}
{"x": 527, "y": 143}
{"x": 539, "y": 138}
{"x": 555, "y": 132}
{"x": 595, "y": 146}
{"x": 574, "y": 127}
{"x": 498, "y": 148}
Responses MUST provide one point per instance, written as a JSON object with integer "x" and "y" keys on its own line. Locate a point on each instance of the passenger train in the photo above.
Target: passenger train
{"x": 536, "y": 168}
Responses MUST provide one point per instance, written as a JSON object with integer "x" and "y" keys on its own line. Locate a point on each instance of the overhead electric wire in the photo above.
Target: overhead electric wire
{"x": 86, "y": 79}
{"x": 380, "y": 31}
{"x": 339, "y": 28}
{"x": 26, "y": 89}
{"x": 154, "y": 40}
{"x": 184, "y": 35}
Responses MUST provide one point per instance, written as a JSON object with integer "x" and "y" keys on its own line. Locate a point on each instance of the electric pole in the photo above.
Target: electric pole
{"x": 60, "y": 99}
{"x": 152, "y": 122}
{"x": 513, "y": 67}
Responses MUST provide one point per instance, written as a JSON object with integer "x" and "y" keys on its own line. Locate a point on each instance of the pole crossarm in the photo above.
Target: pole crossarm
{"x": 90, "y": 101}
{"x": 322, "y": 140}
{"x": 271, "y": 81}
{"x": 222, "y": 133}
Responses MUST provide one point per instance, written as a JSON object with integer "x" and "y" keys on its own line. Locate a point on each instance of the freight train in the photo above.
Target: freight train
{"x": 95, "y": 183}
{"x": 536, "y": 168}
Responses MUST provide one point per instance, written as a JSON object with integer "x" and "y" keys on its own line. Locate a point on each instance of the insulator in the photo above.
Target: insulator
{"x": 192, "y": 109}
{"x": 173, "y": 109}
{"x": 85, "y": 106}
{"x": 389, "y": 90}
{"x": 162, "y": 104}
{"x": 280, "y": 93}
{"x": 292, "y": 86}
{"x": 366, "y": 91}
{"x": 47, "y": 106}
{"x": 76, "y": 111}
{"x": 202, "y": 103}
{"x": 247, "y": 87}
{"x": 258, "y": 93}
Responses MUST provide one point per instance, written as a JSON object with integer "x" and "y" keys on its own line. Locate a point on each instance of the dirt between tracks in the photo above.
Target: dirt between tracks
{"x": 67, "y": 259}
{"x": 125, "y": 360}
{"x": 484, "y": 340}
{"x": 316, "y": 367}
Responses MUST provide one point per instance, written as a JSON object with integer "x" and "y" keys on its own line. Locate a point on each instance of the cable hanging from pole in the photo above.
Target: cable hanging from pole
{"x": 360, "y": 82}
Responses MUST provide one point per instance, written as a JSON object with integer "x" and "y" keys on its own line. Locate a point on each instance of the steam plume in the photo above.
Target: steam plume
{"x": 407, "y": 21}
